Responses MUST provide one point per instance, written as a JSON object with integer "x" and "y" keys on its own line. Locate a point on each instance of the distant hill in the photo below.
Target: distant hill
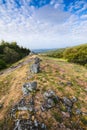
{"x": 42, "y": 50}
{"x": 76, "y": 54}
{"x": 58, "y": 53}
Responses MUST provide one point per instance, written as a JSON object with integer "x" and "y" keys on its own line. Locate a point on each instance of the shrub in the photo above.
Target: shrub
{"x": 77, "y": 54}
{"x": 10, "y": 53}
{"x": 2, "y": 64}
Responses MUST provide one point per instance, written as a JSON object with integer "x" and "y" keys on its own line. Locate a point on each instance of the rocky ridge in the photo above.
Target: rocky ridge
{"x": 26, "y": 115}
{"x": 50, "y": 101}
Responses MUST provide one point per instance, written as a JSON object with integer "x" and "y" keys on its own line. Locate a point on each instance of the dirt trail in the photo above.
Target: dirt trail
{"x": 14, "y": 67}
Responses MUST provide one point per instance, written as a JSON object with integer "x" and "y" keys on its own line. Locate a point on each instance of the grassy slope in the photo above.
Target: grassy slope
{"x": 10, "y": 85}
{"x": 54, "y": 75}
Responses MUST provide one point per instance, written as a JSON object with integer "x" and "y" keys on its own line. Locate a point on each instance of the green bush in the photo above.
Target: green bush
{"x": 2, "y": 64}
{"x": 10, "y": 53}
{"x": 76, "y": 54}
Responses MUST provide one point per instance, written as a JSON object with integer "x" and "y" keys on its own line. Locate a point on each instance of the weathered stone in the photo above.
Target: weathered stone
{"x": 67, "y": 102}
{"x": 36, "y": 123}
{"x": 50, "y": 103}
{"x": 37, "y": 60}
{"x": 43, "y": 126}
{"x": 78, "y": 112}
{"x": 24, "y": 108}
{"x": 35, "y": 68}
{"x": 14, "y": 110}
{"x": 74, "y": 99}
{"x": 49, "y": 94}
{"x": 22, "y": 102}
{"x": 69, "y": 109}
{"x": 50, "y": 100}
{"x": 29, "y": 87}
{"x": 43, "y": 108}
{"x": 28, "y": 124}
{"x": 17, "y": 125}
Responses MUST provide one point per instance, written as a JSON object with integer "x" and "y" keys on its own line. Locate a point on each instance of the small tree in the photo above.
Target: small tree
{"x": 10, "y": 56}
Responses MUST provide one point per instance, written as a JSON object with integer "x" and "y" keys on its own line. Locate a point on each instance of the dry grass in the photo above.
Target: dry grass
{"x": 10, "y": 87}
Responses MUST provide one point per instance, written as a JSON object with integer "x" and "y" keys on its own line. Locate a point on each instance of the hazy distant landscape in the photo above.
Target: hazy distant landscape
{"x": 42, "y": 50}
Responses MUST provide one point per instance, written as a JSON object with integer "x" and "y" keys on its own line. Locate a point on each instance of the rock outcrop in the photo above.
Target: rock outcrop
{"x": 35, "y": 67}
{"x": 29, "y": 87}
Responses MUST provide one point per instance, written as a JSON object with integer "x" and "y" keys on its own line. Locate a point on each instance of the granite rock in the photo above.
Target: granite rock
{"x": 29, "y": 87}
{"x": 35, "y": 68}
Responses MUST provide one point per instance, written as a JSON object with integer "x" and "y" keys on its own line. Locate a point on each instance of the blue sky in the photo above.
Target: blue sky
{"x": 44, "y": 23}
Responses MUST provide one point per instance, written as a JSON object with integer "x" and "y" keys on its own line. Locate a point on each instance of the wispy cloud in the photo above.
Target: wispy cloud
{"x": 38, "y": 24}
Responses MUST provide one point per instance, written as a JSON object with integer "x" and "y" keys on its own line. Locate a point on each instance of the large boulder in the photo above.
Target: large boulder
{"x": 67, "y": 102}
{"x": 35, "y": 68}
{"x": 29, "y": 87}
{"x": 50, "y": 100}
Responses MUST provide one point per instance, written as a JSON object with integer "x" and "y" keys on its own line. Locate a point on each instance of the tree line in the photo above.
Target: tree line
{"x": 76, "y": 54}
{"x": 11, "y": 53}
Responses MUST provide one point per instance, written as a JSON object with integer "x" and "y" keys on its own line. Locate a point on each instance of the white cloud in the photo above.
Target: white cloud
{"x": 51, "y": 15}
{"x": 84, "y": 16}
{"x": 46, "y": 27}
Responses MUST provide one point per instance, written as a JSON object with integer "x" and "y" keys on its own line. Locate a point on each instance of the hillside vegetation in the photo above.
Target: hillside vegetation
{"x": 65, "y": 79}
{"x": 10, "y": 53}
{"x": 56, "y": 53}
{"x": 76, "y": 54}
